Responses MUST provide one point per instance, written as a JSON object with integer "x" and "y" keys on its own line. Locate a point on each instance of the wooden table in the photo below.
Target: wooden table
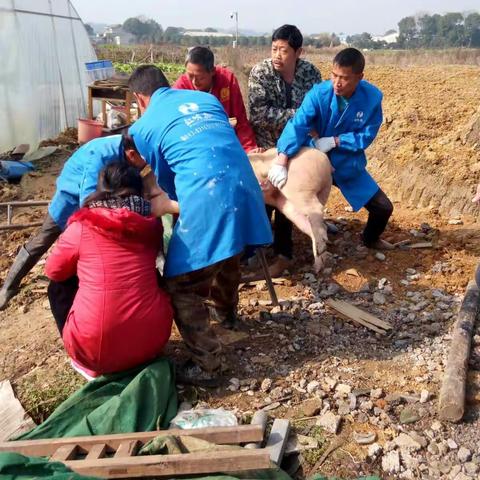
{"x": 112, "y": 92}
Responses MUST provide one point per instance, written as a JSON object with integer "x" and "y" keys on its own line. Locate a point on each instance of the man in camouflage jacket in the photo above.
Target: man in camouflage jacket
{"x": 276, "y": 88}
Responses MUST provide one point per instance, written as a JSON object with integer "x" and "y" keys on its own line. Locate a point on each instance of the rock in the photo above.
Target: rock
{"x": 379, "y": 298}
{"x": 364, "y": 438}
{"x": 329, "y": 422}
{"x": 343, "y": 408}
{"x": 424, "y": 396}
{"x": 456, "y": 469}
{"x": 391, "y": 462}
{"x": 276, "y": 393}
{"x": 266, "y": 385}
{"x": 276, "y": 310}
{"x": 331, "y": 290}
{"x": 234, "y": 384}
{"x": 471, "y": 468}
{"x": 343, "y": 389}
{"x": 462, "y": 476}
{"x": 406, "y": 442}
{"x": 329, "y": 384}
{"x": 419, "y": 439}
{"x": 299, "y": 443}
{"x": 374, "y": 450}
{"x": 455, "y": 221}
{"x": 433, "y": 448}
{"x": 436, "y": 426}
{"x": 409, "y": 415}
{"x": 464, "y": 454}
{"x": 376, "y": 393}
{"x": 380, "y": 256}
{"x": 353, "y": 272}
{"x": 312, "y": 386}
{"x": 452, "y": 445}
{"x": 311, "y": 407}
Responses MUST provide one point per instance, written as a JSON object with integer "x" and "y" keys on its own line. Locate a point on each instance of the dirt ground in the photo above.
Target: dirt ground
{"x": 421, "y": 158}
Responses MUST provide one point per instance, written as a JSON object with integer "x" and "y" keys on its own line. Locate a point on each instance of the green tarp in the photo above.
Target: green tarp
{"x": 137, "y": 400}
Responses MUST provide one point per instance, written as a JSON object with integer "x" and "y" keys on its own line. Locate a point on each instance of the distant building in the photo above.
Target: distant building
{"x": 199, "y": 33}
{"x": 390, "y": 37}
{"x": 343, "y": 38}
{"x": 115, "y": 34}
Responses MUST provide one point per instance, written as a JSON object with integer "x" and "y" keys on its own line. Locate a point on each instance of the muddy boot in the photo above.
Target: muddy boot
{"x": 22, "y": 264}
{"x": 226, "y": 320}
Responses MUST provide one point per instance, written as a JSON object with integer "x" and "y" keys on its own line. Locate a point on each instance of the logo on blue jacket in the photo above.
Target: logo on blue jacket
{"x": 188, "y": 108}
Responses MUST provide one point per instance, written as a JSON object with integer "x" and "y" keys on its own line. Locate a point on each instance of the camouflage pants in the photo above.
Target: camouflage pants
{"x": 215, "y": 286}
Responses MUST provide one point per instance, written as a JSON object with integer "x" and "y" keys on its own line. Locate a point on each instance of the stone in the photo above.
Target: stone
{"x": 364, "y": 438}
{"x": 436, "y": 426}
{"x": 464, "y": 454}
{"x": 376, "y": 393}
{"x": 343, "y": 389}
{"x": 234, "y": 384}
{"x": 343, "y": 408}
{"x": 455, "y": 221}
{"x": 276, "y": 393}
{"x": 380, "y": 256}
{"x": 462, "y": 476}
{"x": 456, "y": 469}
{"x": 379, "y": 298}
{"x": 329, "y": 422}
{"x": 471, "y": 468}
{"x": 406, "y": 442}
{"x": 409, "y": 415}
{"x": 419, "y": 439}
{"x": 266, "y": 385}
{"x": 424, "y": 396}
{"x": 312, "y": 386}
{"x": 374, "y": 450}
{"x": 391, "y": 462}
{"x": 298, "y": 443}
{"x": 311, "y": 407}
{"x": 452, "y": 445}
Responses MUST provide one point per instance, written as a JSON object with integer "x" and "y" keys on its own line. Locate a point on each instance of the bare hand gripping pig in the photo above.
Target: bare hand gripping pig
{"x": 304, "y": 195}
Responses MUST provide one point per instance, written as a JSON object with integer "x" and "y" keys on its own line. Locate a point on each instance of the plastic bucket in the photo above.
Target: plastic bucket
{"x": 88, "y": 130}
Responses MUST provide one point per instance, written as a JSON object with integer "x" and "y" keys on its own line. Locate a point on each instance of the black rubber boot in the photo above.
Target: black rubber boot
{"x": 226, "y": 320}
{"x": 22, "y": 264}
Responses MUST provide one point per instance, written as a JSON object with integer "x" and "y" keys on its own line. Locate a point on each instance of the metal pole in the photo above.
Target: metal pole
{"x": 236, "y": 28}
{"x": 268, "y": 278}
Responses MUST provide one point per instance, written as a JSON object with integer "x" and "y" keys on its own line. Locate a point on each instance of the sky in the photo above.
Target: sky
{"x": 344, "y": 16}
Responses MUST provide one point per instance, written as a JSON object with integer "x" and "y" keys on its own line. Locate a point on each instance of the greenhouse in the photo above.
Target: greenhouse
{"x": 43, "y": 46}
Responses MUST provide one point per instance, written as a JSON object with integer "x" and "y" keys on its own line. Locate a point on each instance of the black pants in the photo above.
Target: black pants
{"x": 282, "y": 233}
{"x": 379, "y": 209}
{"x": 42, "y": 240}
{"x": 477, "y": 275}
{"x": 61, "y": 296}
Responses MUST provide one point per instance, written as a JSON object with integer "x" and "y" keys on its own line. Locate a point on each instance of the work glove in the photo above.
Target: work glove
{"x": 278, "y": 175}
{"x": 325, "y": 144}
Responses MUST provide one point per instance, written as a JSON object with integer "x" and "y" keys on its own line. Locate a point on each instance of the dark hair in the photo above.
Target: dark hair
{"x": 116, "y": 180}
{"x": 291, "y": 34}
{"x": 350, "y": 57}
{"x": 128, "y": 142}
{"x": 201, "y": 56}
{"x": 146, "y": 79}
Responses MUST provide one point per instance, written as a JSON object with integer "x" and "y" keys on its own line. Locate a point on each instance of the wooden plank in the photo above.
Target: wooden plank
{"x": 452, "y": 393}
{"x": 421, "y": 245}
{"x": 218, "y": 435}
{"x": 358, "y": 315}
{"x": 277, "y": 440}
{"x": 128, "y": 448}
{"x": 170, "y": 465}
{"x": 19, "y": 226}
{"x": 97, "y": 451}
{"x": 65, "y": 452}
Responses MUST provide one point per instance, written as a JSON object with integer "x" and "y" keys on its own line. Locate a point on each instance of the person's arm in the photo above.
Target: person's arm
{"x": 243, "y": 129}
{"x": 159, "y": 200}
{"x": 62, "y": 260}
{"x": 262, "y": 113}
{"x": 360, "y": 140}
{"x": 297, "y": 130}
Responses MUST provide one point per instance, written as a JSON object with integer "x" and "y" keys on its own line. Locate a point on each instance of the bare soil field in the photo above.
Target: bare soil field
{"x": 302, "y": 360}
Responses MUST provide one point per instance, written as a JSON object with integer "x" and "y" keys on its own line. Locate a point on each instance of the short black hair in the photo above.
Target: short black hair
{"x": 201, "y": 56}
{"x": 291, "y": 34}
{"x": 350, "y": 57}
{"x": 146, "y": 79}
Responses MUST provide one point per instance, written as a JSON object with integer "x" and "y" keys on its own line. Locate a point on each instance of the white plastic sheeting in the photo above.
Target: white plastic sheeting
{"x": 43, "y": 88}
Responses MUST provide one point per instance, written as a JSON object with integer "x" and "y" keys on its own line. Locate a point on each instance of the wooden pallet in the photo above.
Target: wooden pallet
{"x": 114, "y": 456}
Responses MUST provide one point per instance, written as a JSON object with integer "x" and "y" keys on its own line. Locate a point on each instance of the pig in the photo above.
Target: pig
{"x": 303, "y": 197}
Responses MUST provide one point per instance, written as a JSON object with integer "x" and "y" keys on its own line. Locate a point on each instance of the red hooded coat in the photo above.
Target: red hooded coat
{"x": 120, "y": 318}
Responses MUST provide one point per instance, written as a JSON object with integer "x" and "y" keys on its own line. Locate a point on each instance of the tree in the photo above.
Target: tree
{"x": 472, "y": 30}
{"x": 407, "y": 32}
{"x": 210, "y": 29}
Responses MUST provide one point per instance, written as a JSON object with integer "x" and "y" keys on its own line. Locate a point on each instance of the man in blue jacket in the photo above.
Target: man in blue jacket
{"x": 77, "y": 180}
{"x": 347, "y": 113}
{"x": 186, "y": 138}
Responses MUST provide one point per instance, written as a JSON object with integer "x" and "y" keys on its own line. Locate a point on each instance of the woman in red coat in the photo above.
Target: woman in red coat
{"x": 120, "y": 317}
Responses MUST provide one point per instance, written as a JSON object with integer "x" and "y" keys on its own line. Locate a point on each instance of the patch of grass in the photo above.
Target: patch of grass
{"x": 40, "y": 396}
